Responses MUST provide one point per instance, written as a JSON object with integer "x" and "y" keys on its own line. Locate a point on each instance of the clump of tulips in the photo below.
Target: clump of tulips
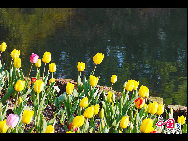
{"x": 81, "y": 109}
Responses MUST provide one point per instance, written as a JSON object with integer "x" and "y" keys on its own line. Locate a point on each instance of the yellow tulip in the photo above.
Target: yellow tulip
{"x": 84, "y": 102}
{"x": 46, "y": 57}
{"x": 101, "y": 114}
{"x": 69, "y": 132}
{"x": 38, "y": 63}
{"x": 17, "y": 62}
{"x": 136, "y": 83}
{"x": 49, "y": 129}
{"x": 124, "y": 122}
{"x": 78, "y": 121}
{"x": 15, "y": 54}
{"x": 52, "y": 67}
{"x": 145, "y": 107}
{"x": 181, "y": 120}
{"x": 96, "y": 109}
{"x": 27, "y": 116}
{"x": 69, "y": 88}
{"x": 160, "y": 109}
{"x": 129, "y": 85}
{"x": 109, "y": 96}
{"x": 97, "y": 59}
{"x": 114, "y": 78}
{"x": 89, "y": 112}
{"x": 39, "y": 86}
{"x": 81, "y": 66}
{"x": 3, "y": 47}
{"x": 52, "y": 80}
{"x": 152, "y": 107}
{"x": 143, "y": 91}
{"x": 3, "y": 126}
{"x": 93, "y": 80}
{"x": 19, "y": 86}
{"x": 147, "y": 126}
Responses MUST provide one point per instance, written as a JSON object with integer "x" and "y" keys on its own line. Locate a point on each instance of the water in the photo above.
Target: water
{"x": 145, "y": 44}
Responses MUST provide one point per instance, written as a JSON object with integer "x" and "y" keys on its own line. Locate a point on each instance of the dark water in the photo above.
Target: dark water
{"x": 145, "y": 44}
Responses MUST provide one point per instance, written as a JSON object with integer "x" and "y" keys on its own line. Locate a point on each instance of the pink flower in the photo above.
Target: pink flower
{"x": 12, "y": 120}
{"x": 34, "y": 58}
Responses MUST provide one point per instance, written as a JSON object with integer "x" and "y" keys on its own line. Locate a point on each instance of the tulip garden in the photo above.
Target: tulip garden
{"x": 80, "y": 109}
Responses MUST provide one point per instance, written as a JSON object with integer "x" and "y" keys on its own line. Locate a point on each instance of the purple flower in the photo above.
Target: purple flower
{"x": 34, "y": 58}
{"x": 12, "y": 120}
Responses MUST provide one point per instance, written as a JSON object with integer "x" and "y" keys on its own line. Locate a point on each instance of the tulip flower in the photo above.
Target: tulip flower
{"x": 49, "y": 129}
{"x": 17, "y": 63}
{"x": 81, "y": 66}
{"x": 52, "y": 80}
{"x": 38, "y": 63}
{"x": 143, "y": 91}
{"x": 27, "y": 116}
{"x": 139, "y": 103}
{"x": 3, "y": 126}
{"x": 136, "y": 83}
{"x": 70, "y": 126}
{"x": 34, "y": 58}
{"x": 129, "y": 85}
{"x": 113, "y": 79}
{"x": 78, "y": 121}
{"x": 160, "y": 109}
{"x": 52, "y": 67}
{"x": 181, "y": 119}
{"x": 124, "y": 122}
{"x": 96, "y": 109}
{"x": 101, "y": 114}
{"x": 33, "y": 80}
{"x": 89, "y": 112}
{"x": 12, "y": 120}
{"x": 3, "y": 47}
{"x": 46, "y": 57}
{"x": 84, "y": 102}
{"x": 145, "y": 107}
{"x": 93, "y": 80}
{"x": 19, "y": 86}
{"x": 69, "y": 132}
{"x": 39, "y": 86}
{"x": 15, "y": 54}
{"x": 97, "y": 59}
{"x": 69, "y": 88}
{"x": 147, "y": 126}
{"x": 152, "y": 107}
{"x": 109, "y": 96}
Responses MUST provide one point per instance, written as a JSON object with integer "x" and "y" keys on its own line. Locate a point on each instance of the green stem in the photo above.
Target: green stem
{"x": 30, "y": 69}
{"x": 44, "y": 70}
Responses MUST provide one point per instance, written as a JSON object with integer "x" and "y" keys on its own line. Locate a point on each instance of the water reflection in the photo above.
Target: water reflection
{"x": 148, "y": 45}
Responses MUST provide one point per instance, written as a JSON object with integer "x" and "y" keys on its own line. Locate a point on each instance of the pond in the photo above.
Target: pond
{"x": 144, "y": 44}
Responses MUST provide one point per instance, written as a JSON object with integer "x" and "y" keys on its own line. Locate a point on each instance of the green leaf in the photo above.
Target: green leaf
{"x": 6, "y": 96}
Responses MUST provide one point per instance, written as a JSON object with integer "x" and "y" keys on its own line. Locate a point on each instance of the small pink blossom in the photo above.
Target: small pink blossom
{"x": 34, "y": 58}
{"x": 12, "y": 120}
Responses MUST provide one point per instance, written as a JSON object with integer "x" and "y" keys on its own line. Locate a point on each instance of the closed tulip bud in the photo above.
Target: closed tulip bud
{"x": 109, "y": 96}
{"x": 46, "y": 57}
{"x": 96, "y": 109}
{"x": 15, "y": 54}
{"x": 93, "y": 80}
{"x": 49, "y": 129}
{"x": 38, "y": 63}
{"x": 139, "y": 103}
{"x": 17, "y": 63}
{"x": 27, "y": 116}
{"x": 84, "y": 102}
{"x": 78, "y": 121}
{"x": 124, "y": 122}
{"x": 52, "y": 67}
{"x": 101, "y": 114}
{"x": 3, "y": 126}
{"x": 129, "y": 85}
{"x": 143, "y": 91}
{"x": 34, "y": 58}
{"x": 52, "y": 80}
{"x": 152, "y": 107}
{"x": 89, "y": 112}
{"x": 81, "y": 66}
{"x": 181, "y": 120}
{"x": 12, "y": 120}
{"x": 113, "y": 79}
{"x": 3, "y": 47}
{"x": 147, "y": 126}
{"x": 160, "y": 109}
{"x": 97, "y": 59}
{"x": 19, "y": 86}
{"x": 39, "y": 86}
{"x": 69, "y": 88}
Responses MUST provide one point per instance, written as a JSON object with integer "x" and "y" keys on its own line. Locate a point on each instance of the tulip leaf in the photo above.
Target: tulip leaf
{"x": 9, "y": 93}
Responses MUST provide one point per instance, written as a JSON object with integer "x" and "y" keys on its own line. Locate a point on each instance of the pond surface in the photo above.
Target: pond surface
{"x": 145, "y": 44}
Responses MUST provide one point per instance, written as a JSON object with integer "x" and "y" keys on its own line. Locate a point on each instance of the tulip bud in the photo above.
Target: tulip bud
{"x": 124, "y": 122}
{"x": 46, "y": 57}
{"x": 143, "y": 91}
{"x": 52, "y": 80}
{"x": 84, "y": 102}
{"x": 147, "y": 126}
{"x": 17, "y": 63}
{"x": 129, "y": 85}
{"x": 69, "y": 88}
{"x": 78, "y": 121}
{"x": 15, "y": 54}
{"x": 93, "y": 80}
{"x": 34, "y": 58}
{"x": 81, "y": 66}
{"x": 101, "y": 114}
{"x": 3, "y": 47}
{"x": 114, "y": 78}
{"x": 97, "y": 59}
{"x": 152, "y": 107}
{"x": 160, "y": 109}
{"x": 39, "y": 86}
{"x": 12, "y": 120}
{"x": 89, "y": 112}
{"x": 3, "y": 126}
{"x": 96, "y": 109}
{"x": 19, "y": 86}
{"x": 27, "y": 116}
{"x": 139, "y": 103}
{"x": 49, "y": 129}
{"x": 38, "y": 63}
{"x": 181, "y": 119}
{"x": 52, "y": 67}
